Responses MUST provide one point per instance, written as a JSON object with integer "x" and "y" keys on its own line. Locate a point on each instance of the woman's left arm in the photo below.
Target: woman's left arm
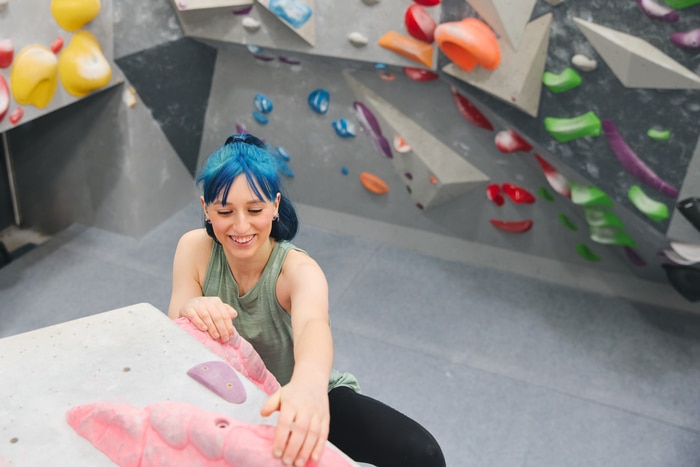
{"x": 302, "y": 426}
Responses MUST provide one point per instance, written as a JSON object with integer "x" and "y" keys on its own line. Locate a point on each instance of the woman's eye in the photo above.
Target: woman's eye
{"x": 223, "y": 213}
{"x": 255, "y": 211}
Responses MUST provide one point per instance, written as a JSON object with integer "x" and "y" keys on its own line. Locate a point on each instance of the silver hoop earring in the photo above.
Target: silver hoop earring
{"x": 207, "y": 220}
{"x": 276, "y": 217}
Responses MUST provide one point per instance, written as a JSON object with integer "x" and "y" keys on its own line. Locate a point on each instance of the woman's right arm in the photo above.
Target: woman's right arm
{"x": 208, "y": 314}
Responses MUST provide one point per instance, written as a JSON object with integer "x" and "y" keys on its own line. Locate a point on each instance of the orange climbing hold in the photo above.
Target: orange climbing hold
{"x": 408, "y": 47}
{"x": 374, "y": 184}
{"x": 469, "y": 43}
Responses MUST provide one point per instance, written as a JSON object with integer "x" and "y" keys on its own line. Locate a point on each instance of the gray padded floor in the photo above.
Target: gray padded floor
{"x": 503, "y": 370}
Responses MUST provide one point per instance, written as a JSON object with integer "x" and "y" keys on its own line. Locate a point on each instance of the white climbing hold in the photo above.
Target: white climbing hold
{"x": 357, "y": 39}
{"x": 584, "y": 63}
{"x": 251, "y": 24}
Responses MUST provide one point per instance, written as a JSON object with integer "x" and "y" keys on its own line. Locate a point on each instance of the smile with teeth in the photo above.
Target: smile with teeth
{"x": 242, "y": 240}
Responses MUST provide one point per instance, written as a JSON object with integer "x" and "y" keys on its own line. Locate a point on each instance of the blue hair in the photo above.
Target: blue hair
{"x": 248, "y": 155}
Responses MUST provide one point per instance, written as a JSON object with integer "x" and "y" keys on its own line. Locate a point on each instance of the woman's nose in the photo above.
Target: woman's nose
{"x": 240, "y": 223}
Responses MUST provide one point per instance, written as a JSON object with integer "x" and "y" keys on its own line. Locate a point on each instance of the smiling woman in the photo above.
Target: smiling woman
{"x": 242, "y": 271}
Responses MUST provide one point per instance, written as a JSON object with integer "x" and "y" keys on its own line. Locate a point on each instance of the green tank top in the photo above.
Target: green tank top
{"x": 261, "y": 319}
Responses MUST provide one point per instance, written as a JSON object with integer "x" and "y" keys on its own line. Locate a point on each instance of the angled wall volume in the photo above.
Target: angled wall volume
{"x": 174, "y": 81}
{"x": 518, "y": 79}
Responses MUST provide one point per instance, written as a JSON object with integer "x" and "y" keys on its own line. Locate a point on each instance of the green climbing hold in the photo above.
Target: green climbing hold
{"x": 653, "y": 209}
{"x": 602, "y": 218}
{"x": 566, "y": 222}
{"x": 611, "y": 236}
{"x": 681, "y": 3}
{"x": 564, "y": 81}
{"x": 589, "y": 196}
{"x": 566, "y": 129}
{"x": 586, "y": 253}
{"x": 544, "y": 193}
{"x": 658, "y": 135}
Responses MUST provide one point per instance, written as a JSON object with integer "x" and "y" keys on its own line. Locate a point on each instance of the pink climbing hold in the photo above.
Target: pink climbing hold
{"x": 221, "y": 379}
{"x": 170, "y": 433}
{"x": 508, "y": 141}
{"x": 238, "y": 353}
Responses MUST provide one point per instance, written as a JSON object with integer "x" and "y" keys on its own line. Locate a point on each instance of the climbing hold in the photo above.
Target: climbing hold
{"x": 469, "y": 111}
{"x": 611, "y": 236}
{"x": 564, "y": 81}
{"x": 659, "y": 12}
{"x": 544, "y": 193}
{"x": 72, "y": 15}
{"x": 517, "y": 194}
{"x": 7, "y": 52}
{"x": 260, "y": 117}
{"x": 16, "y": 115}
{"x": 419, "y": 24}
{"x": 556, "y": 180}
{"x": 319, "y": 101}
{"x": 373, "y": 183}
{"x": 400, "y": 145}
{"x": 408, "y": 47}
{"x": 653, "y": 209}
{"x": 688, "y": 39}
{"x": 658, "y": 135}
{"x": 251, "y": 24}
{"x": 34, "y": 76}
{"x": 294, "y": 12}
{"x": 493, "y": 192}
{"x": 567, "y": 129}
{"x": 4, "y": 97}
{"x": 344, "y": 128}
{"x": 566, "y": 222}
{"x": 589, "y": 196}
{"x": 262, "y": 103}
{"x": 82, "y": 66}
{"x": 602, "y": 218}
{"x": 468, "y": 43}
{"x": 372, "y": 128}
{"x": 221, "y": 379}
{"x": 357, "y": 39}
{"x": 583, "y": 63}
{"x": 419, "y": 74}
{"x": 512, "y": 226}
{"x": 508, "y": 141}
{"x": 633, "y": 164}
{"x": 586, "y": 253}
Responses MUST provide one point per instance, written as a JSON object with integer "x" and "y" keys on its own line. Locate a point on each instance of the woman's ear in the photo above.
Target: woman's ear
{"x": 204, "y": 205}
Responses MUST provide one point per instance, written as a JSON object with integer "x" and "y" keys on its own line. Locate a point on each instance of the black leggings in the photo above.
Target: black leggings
{"x": 374, "y": 433}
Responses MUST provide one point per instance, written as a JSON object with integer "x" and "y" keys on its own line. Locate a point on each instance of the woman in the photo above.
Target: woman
{"x": 242, "y": 270}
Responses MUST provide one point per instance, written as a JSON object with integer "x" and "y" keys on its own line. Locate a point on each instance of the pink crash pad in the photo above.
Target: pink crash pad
{"x": 178, "y": 434}
{"x": 238, "y": 353}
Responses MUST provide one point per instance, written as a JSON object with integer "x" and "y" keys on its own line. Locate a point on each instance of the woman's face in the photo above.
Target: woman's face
{"x": 243, "y": 224}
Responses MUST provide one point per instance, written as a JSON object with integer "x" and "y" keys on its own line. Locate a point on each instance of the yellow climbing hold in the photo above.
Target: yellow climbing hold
{"x": 34, "y": 76}
{"x": 72, "y": 15}
{"x": 81, "y": 65}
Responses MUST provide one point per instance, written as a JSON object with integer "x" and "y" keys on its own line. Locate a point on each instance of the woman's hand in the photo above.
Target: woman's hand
{"x": 212, "y": 315}
{"x": 302, "y": 425}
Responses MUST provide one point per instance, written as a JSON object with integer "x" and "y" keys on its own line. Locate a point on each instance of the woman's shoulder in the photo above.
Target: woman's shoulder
{"x": 196, "y": 240}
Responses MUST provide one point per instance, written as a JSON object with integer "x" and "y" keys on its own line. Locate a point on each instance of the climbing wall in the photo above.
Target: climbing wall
{"x": 557, "y": 130}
